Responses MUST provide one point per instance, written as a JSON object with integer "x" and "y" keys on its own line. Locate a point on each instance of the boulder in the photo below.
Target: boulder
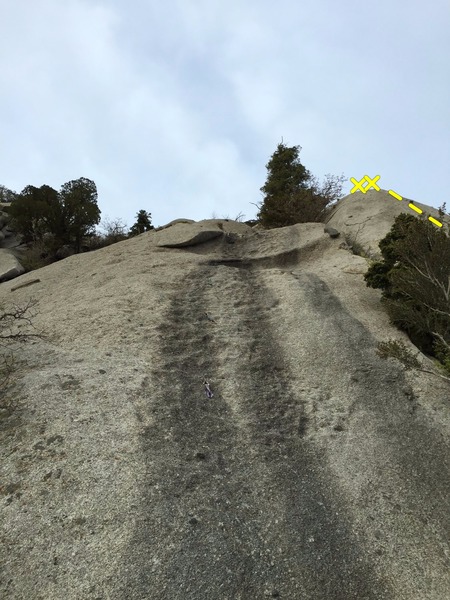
{"x": 184, "y": 234}
{"x": 367, "y": 218}
{"x": 333, "y": 233}
{"x": 10, "y": 267}
{"x": 174, "y": 222}
{"x": 8, "y": 237}
{"x": 355, "y": 270}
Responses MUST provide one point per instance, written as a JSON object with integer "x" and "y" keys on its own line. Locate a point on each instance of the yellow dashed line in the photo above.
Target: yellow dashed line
{"x": 435, "y": 222}
{"x": 359, "y": 185}
{"x": 395, "y": 195}
{"x": 418, "y": 210}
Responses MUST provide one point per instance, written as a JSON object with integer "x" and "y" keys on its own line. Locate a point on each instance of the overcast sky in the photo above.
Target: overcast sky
{"x": 176, "y": 106}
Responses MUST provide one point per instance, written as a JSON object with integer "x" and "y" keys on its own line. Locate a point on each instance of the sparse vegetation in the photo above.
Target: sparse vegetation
{"x": 238, "y": 218}
{"x": 398, "y": 350}
{"x": 356, "y": 247}
{"x": 442, "y": 210}
{"x": 11, "y": 322}
{"x": 113, "y": 231}
{"x": 13, "y": 319}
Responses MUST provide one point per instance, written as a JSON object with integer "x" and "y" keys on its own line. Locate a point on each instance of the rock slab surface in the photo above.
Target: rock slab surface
{"x": 316, "y": 470}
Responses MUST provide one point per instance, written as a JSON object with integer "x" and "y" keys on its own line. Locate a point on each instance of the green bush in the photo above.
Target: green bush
{"x": 414, "y": 278}
{"x": 68, "y": 214}
{"x": 291, "y": 194}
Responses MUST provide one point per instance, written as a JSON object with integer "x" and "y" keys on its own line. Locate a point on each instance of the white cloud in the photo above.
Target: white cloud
{"x": 176, "y": 107}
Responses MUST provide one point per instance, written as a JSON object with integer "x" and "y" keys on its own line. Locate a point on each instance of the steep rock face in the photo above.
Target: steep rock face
{"x": 368, "y": 217}
{"x": 306, "y": 467}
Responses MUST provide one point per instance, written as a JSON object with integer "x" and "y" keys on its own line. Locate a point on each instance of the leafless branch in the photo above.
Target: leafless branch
{"x": 441, "y": 339}
{"x": 17, "y": 316}
{"x": 239, "y": 217}
{"x": 433, "y": 373}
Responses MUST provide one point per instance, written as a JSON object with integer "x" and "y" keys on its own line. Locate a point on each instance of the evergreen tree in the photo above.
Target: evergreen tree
{"x": 291, "y": 194}
{"x": 414, "y": 277}
{"x": 68, "y": 215}
{"x": 286, "y": 176}
{"x": 143, "y": 223}
{"x": 31, "y": 211}
{"x": 80, "y": 210}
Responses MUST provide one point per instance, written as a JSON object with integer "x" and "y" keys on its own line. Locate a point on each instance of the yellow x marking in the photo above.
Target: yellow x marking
{"x": 358, "y": 185}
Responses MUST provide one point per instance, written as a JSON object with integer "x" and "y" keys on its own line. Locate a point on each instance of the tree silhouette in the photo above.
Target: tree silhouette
{"x": 7, "y": 195}
{"x": 80, "y": 210}
{"x": 291, "y": 194}
{"x": 143, "y": 223}
{"x": 33, "y": 211}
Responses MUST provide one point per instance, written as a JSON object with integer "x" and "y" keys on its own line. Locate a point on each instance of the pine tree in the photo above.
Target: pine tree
{"x": 291, "y": 194}
{"x": 80, "y": 209}
{"x": 143, "y": 223}
{"x": 286, "y": 176}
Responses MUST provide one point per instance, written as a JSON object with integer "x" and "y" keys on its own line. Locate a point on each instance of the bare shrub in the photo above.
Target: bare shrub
{"x": 15, "y": 325}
